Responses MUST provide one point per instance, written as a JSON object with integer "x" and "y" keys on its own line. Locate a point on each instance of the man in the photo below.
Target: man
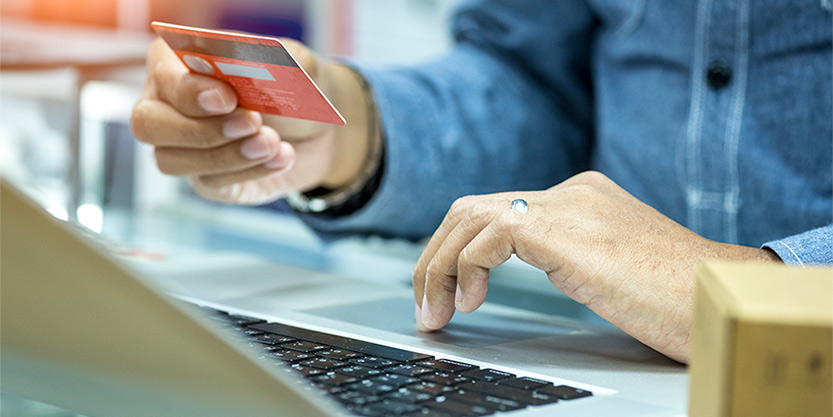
{"x": 713, "y": 115}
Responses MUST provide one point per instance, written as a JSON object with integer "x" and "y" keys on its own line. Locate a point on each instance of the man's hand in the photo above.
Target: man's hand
{"x": 235, "y": 155}
{"x": 597, "y": 243}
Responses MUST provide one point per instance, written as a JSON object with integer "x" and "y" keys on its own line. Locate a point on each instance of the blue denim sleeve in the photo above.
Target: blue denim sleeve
{"x": 814, "y": 247}
{"x": 446, "y": 138}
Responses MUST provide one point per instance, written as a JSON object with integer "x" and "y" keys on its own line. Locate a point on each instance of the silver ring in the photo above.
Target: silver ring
{"x": 520, "y": 205}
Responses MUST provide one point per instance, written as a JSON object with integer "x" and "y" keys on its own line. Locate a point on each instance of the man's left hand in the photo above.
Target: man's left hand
{"x": 598, "y": 244}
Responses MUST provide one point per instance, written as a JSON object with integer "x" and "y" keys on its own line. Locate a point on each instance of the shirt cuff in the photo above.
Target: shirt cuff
{"x": 814, "y": 247}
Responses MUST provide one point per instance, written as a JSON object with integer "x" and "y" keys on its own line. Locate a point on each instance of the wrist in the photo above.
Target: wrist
{"x": 348, "y": 188}
{"x": 740, "y": 253}
{"x": 354, "y": 142}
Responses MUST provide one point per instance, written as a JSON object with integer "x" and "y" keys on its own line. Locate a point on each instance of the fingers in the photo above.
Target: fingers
{"x": 191, "y": 94}
{"x": 280, "y": 163}
{"x": 458, "y": 210}
{"x": 158, "y": 124}
{"x": 454, "y": 269}
{"x": 236, "y": 156}
{"x": 493, "y": 246}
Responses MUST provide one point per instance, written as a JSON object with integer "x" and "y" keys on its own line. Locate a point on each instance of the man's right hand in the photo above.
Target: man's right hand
{"x": 235, "y": 155}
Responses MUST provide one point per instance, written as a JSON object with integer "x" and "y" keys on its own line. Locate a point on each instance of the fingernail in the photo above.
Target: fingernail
{"x": 418, "y": 317}
{"x": 255, "y": 148}
{"x": 426, "y": 315}
{"x": 458, "y": 298}
{"x": 283, "y": 158}
{"x": 277, "y": 162}
{"x": 212, "y": 101}
{"x": 238, "y": 127}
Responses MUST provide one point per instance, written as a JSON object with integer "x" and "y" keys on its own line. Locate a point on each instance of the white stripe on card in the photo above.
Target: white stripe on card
{"x": 245, "y": 71}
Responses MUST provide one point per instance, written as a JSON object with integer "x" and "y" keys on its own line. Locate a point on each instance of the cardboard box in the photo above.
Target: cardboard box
{"x": 762, "y": 341}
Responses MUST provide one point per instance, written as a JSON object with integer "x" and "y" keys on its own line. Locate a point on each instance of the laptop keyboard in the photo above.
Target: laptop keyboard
{"x": 375, "y": 380}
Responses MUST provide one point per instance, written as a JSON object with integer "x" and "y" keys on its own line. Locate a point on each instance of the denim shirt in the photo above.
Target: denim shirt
{"x": 716, "y": 113}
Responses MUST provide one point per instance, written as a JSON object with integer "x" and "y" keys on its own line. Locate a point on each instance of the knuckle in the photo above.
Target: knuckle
{"x": 163, "y": 162}
{"x": 592, "y": 177}
{"x": 218, "y": 158}
{"x": 507, "y": 222}
{"x": 418, "y": 275}
{"x": 436, "y": 276}
{"x": 212, "y": 182}
{"x": 583, "y": 191}
{"x": 460, "y": 207}
{"x": 138, "y": 121}
{"x": 481, "y": 209}
{"x": 466, "y": 257}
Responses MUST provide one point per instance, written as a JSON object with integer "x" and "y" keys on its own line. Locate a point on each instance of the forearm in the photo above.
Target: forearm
{"x": 353, "y": 142}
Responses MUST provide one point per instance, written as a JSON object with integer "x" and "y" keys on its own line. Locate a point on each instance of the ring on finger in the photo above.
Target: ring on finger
{"x": 520, "y": 205}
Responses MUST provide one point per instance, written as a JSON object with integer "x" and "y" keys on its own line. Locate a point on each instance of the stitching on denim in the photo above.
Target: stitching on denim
{"x": 733, "y": 125}
{"x": 632, "y": 22}
{"x": 798, "y": 258}
{"x": 695, "y": 119}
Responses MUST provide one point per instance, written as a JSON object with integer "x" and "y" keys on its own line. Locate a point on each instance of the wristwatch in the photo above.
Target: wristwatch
{"x": 361, "y": 188}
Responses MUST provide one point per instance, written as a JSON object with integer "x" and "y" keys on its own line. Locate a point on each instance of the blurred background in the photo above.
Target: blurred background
{"x": 70, "y": 72}
{"x": 72, "y": 69}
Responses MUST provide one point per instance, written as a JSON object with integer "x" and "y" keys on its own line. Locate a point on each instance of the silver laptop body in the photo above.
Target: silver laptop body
{"x": 85, "y": 330}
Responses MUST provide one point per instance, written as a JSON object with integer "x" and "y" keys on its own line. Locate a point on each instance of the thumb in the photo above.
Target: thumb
{"x": 296, "y": 129}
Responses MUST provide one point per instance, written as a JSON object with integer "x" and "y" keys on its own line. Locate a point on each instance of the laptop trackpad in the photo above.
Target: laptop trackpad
{"x": 475, "y": 330}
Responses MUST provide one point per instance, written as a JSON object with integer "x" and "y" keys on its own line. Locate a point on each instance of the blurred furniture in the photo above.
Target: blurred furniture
{"x": 91, "y": 53}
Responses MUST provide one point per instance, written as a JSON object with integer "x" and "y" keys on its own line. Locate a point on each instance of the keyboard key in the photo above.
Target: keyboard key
{"x": 393, "y": 379}
{"x": 371, "y": 388}
{"x": 271, "y": 339}
{"x": 524, "y": 397}
{"x": 489, "y": 388}
{"x": 522, "y": 383}
{"x": 290, "y": 355}
{"x": 332, "y": 378}
{"x": 462, "y": 408}
{"x": 564, "y": 392}
{"x": 386, "y": 408}
{"x": 408, "y": 394}
{"x": 241, "y": 321}
{"x": 431, "y": 387}
{"x": 304, "y": 346}
{"x": 305, "y": 370}
{"x": 446, "y": 365}
{"x": 446, "y": 378}
{"x": 323, "y": 363}
{"x": 352, "y": 397}
{"x": 489, "y": 401}
{"x": 434, "y": 412}
{"x": 361, "y": 372}
{"x": 373, "y": 362}
{"x": 331, "y": 390}
{"x": 339, "y": 354}
{"x": 410, "y": 370}
{"x": 488, "y": 375}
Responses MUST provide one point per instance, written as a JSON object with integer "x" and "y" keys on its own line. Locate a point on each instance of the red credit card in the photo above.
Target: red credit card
{"x": 260, "y": 69}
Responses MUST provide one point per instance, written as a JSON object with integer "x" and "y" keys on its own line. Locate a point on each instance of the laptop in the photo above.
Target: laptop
{"x": 232, "y": 335}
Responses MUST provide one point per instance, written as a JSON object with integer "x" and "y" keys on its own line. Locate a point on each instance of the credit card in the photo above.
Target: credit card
{"x": 260, "y": 69}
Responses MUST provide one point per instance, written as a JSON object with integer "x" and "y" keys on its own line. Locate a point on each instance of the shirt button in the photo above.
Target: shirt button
{"x": 718, "y": 74}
